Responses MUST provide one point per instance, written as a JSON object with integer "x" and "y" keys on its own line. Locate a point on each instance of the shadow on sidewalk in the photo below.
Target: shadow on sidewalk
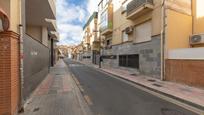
{"x": 57, "y": 95}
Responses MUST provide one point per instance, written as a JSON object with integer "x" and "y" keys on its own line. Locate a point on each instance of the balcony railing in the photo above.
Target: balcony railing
{"x": 107, "y": 25}
{"x": 135, "y": 5}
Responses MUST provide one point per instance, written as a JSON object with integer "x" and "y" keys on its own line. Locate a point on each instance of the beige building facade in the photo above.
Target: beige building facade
{"x": 91, "y": 40}
{"x": 27, "y": 48}
{"x": 149, "y": 36}
{"x": 183, "y": 55}
{"x": 130, "y": 32}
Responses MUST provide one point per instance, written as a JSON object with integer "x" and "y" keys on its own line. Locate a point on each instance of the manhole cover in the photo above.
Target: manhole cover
{"x": 58, "y": 74}
{"x": 166, "y": 111}
{"x": 151, "y": 80}
{"x": 52, "y": 92}
{"x": 157, "y": 85}
{"x": 36, "y": 109}
{"x": 133, "y": 74}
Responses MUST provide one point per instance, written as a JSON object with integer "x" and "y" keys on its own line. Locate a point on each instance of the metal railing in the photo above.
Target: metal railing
{"x": 135, "y": 4}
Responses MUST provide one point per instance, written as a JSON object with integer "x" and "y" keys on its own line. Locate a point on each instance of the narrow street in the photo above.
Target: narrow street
{"x": 109, "y": 96}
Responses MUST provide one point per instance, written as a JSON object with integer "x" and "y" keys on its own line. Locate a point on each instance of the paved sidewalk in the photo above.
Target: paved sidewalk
{"x": 57, "y": 95}
{"x": 191, "y": 95}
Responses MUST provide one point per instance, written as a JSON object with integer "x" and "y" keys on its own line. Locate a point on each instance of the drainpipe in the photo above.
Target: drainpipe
{"x": 163, "y": 25}
{"x": 21, "y": 104}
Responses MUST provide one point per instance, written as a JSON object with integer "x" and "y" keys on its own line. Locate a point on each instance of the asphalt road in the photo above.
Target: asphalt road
{"x": 110, "y": 96}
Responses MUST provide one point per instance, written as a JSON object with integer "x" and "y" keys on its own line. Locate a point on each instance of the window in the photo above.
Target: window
{"x": 86, "y": 57}
{"x": 142, "y": 32}
{"x": 104, "y": 20}
{"x": 124, "y": 36}
{"x": 129, "y": 61}
{"x": 122, "y": 60}
{"x": 109, "y": 57}
{"x": 108, "y": 42}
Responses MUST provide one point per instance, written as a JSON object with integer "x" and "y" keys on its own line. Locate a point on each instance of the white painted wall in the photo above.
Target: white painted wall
{"x": 187, "y": 53}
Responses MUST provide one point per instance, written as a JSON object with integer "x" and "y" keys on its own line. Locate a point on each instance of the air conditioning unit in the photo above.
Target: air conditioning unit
{"x": 197, "y": 39}
{"x": 129, "y": 30}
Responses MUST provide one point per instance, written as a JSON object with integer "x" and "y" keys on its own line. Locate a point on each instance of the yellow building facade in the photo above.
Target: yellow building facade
{"x": 130, "y": 31}
{"x": 147, "y": 36}
{"x": 91, "y": 40}
{"x": 183, "y": 57}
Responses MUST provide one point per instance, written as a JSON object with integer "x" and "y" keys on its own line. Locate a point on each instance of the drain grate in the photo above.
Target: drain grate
{"x": 36, "y": 109}
{"x": 52, "y": 92}
{"x": 151, "y": 80}
{"x": 133, "y": 74}
{"x": 58, "y": 74}
{"x": 166, "y": 111}
{"x": 157, "y": 85}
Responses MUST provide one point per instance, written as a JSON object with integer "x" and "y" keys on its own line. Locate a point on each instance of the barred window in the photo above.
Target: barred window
{"x": 129, "y": 61}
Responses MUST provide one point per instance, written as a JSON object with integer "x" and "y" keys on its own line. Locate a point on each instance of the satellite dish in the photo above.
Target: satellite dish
{"x": 4, "y": 21}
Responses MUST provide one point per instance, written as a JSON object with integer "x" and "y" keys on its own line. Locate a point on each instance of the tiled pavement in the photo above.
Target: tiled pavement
{"x": 57, "y": 95}
{"x": 186, "y": 93}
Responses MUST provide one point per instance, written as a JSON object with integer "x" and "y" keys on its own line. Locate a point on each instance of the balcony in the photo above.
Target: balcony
{"x": 37, "y": 11}
{"x": 96, "y": 46}
{"x": 137, "y": 8}
{"x": 51, "y": 24}
{"x": 54, "y": 35}
{"x": 106, "y": 27}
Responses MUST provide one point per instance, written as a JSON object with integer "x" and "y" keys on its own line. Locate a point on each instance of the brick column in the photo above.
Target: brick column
{"x": 9, "y": 73}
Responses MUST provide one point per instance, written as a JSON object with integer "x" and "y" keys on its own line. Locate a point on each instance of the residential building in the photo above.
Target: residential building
{"x": 66, "y": 50}
{"x": 91, "y": 40}
{"x": 78, "y": 52}
{"x": 27, "y": 50}
{"x": 39, "y": 41}
{"x": 151, "y": 37}
{"x": 183, "y": 42}
{"x": 130, "y": 31}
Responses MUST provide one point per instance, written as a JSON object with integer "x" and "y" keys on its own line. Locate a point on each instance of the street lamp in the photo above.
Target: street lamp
{"x": 4, "y": 21}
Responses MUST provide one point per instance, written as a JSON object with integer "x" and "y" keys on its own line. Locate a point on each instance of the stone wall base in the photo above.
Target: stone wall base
{"x": 149, "y": 56}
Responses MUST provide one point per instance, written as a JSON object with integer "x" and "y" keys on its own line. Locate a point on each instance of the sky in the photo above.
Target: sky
{"x": 71, "y": 17}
